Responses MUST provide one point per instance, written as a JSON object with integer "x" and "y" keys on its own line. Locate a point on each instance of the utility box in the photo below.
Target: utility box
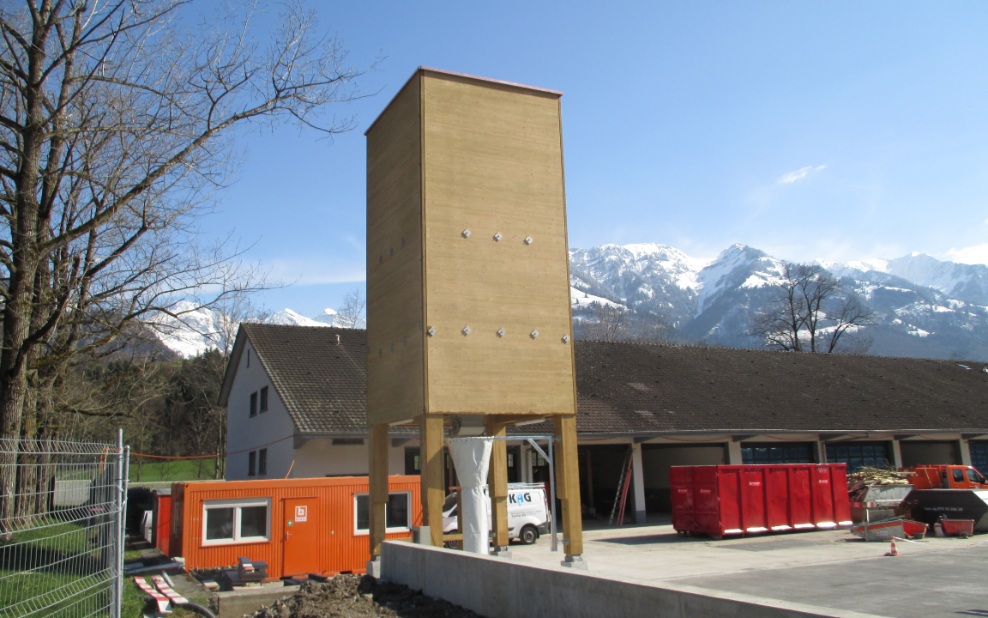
{"x": 750, "y": 499}
{"x": 468, "y": 305}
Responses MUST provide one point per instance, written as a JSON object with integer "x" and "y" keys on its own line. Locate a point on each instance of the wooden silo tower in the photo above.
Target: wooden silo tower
{"x": 468, "y": 306}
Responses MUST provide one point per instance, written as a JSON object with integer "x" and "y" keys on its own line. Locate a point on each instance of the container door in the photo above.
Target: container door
{"x": 301, "y": 536}
{"x": 708, "y": 498}
{"x": 753, "y": 499}
{"x": 842, "y": 503}
{"x": 823, "y": 498}
{"x": 777, "y": 498}
{"x": 681, "y": 479}
{"x": 800, "y": 497}
{"x": 727, "y": 501}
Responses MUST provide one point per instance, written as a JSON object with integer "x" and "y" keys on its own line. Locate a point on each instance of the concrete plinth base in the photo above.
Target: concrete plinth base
{"x": 422, "y": 535}
{"x": 574, "y": 562}
{"x": 374, "y": 568}
{"x": 502, "y": 552}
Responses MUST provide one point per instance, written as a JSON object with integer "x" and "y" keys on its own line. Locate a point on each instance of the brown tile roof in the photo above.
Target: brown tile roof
{"x": 643, "y": 388}
{"x": 321, "y": 383}
{"x": 653, "y": 389}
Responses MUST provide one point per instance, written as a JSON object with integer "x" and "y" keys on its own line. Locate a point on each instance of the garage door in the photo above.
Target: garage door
{"x": 658, "y": 458}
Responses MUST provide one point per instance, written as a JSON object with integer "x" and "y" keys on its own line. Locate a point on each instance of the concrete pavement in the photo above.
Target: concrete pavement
{"x": 831, "y": 570}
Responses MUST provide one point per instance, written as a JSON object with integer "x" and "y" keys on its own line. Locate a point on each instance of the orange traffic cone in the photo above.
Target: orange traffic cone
{"x": 893, "y": 552}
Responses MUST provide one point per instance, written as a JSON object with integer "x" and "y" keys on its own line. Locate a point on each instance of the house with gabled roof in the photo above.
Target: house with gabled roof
{"x": 295, "y": 399}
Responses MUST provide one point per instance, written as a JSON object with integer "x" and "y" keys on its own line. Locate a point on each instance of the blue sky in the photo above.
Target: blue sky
{"x": 827, "y": 130}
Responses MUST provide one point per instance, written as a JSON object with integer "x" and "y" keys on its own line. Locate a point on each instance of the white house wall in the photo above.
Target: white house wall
{"x": 320, "y": 457}
{"x": 272, "y": 430}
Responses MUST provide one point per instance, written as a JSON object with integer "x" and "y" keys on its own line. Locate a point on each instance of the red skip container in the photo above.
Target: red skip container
{"x": 753, "y": 499}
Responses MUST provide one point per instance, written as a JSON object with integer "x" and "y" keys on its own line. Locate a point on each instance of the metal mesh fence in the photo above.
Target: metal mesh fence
{"x": 62, "y": 510}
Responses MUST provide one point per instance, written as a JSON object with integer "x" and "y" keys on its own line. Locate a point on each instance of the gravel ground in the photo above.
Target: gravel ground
{"x": 356, "y": 596}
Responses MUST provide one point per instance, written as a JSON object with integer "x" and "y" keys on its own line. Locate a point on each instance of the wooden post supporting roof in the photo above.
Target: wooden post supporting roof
{"x": 497, "y": 482}
{"x": 568, "y": 486}
{"x": 432, "y": 469}
{"x": 378, "y": 453}
{"x": 468, "y": 306}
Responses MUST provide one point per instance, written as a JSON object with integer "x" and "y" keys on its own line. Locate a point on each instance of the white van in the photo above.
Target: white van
{"x": 528, "y": 512}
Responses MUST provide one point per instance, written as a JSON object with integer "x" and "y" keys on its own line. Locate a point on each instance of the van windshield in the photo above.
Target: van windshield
{"x": 450, "y": 502}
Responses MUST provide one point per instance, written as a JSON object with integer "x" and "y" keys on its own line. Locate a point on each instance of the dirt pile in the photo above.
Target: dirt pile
{"x": 356, "y": 596}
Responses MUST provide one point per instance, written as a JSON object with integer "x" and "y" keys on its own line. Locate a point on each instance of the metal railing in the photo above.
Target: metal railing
{"x": 62, "y": 507}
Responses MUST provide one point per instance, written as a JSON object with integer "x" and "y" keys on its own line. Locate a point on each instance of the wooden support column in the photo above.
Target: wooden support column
{"x": 378, "y": 467}
{"x": 497, "y": 481}
{"x": 568, "y": 486}
{"x": 433, "y": 489}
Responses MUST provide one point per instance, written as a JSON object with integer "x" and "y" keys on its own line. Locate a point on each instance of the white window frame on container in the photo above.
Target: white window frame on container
{"x": 236, "y": 521}
{"x": 365, "y": 498}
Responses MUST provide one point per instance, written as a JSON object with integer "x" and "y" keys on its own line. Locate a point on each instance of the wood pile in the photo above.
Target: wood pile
{"x": 860, "y": 480}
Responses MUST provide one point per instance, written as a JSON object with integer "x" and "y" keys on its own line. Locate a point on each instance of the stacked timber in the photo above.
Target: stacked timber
{"x": 861, "y": 480}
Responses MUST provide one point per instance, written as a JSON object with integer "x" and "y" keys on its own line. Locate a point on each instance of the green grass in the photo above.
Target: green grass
{"x": 152, "y": 471}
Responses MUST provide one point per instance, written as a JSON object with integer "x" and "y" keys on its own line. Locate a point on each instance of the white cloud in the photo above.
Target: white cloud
{"x": 319, "y": 270}
{"x": 800, "y": 174}
{"x": 976, "y": 254}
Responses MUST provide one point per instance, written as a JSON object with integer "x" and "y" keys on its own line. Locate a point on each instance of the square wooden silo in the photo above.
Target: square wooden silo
{"x": 468, "y": 305}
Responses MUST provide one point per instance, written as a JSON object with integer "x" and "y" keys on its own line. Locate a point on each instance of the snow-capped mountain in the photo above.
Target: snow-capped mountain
{"x": 922, "y": 307}
{"x": 193, "y": 331}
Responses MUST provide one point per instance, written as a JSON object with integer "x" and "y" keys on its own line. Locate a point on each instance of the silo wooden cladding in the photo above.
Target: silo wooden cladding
{"x": 453, "y": 154}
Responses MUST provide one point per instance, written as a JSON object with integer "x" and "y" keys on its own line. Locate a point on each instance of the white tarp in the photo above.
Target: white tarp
{"x": 472, "y": 458}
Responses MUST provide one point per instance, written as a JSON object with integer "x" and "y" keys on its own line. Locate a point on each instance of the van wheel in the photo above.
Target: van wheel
{"x": 529, "y": 535}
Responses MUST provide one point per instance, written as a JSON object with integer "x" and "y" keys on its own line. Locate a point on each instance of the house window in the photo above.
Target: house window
{"x": 777, "y": 453}
{"x": 262, "y": 462}
{"x": 859, "y": 454}
{"x": 397, "y": 515}
{"x": 252, "y": 463}
{"x": 264, "y": 399}
{"x": 253, "y": 403}
{"x": 235, "y": 521}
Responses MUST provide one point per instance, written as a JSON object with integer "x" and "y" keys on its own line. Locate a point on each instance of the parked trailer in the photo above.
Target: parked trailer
{"x": 749, "y": 499}
{"x": 294, "y": 526}
{"x": 930, "y": 505}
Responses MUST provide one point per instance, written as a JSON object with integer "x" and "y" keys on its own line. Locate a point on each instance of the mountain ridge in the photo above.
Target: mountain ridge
{"x": 923, "y": 307}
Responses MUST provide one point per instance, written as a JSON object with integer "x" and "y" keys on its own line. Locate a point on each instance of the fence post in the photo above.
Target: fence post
{"x": 120, "y": 530}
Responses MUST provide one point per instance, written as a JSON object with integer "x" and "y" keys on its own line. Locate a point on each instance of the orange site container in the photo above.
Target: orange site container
{"x": 161, "y": 510}
{"x": 296, "y": 526}
{"x": 749, "y": 499}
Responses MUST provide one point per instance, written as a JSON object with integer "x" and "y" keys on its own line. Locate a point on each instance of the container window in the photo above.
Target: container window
{"x": 244, "y": 521}
{"x": 397, "y": 514}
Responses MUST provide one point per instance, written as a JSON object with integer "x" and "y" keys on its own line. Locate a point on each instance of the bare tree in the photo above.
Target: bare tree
{"x": 609, "y": 323}
{"x": 116, "y": 121}
{"x": 812, "y": 313}
{"x": 234, "y": 311}
{"x": 351, "y": 313}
